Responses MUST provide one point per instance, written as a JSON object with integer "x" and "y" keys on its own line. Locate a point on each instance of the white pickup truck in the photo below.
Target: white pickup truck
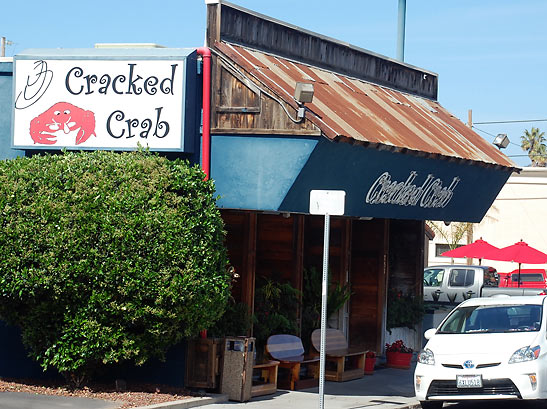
{"x": 453, "y": 284}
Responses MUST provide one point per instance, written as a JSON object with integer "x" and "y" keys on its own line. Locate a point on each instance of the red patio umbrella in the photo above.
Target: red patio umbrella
{"x": 478, "y": 249}
{"x": 519, "y": 253}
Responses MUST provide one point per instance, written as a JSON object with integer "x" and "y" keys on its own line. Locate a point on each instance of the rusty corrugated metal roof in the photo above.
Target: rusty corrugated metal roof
{"x": 363, "y": 112}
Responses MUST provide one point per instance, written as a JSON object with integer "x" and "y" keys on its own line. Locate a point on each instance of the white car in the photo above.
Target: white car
{"x": 486, "y": 348}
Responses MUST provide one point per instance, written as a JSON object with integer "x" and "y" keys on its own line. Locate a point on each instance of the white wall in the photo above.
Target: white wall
{"x": 517, "y": 213}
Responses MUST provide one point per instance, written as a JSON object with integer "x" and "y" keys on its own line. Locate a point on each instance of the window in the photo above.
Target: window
{"x": 441, "y": 248}
{"x": 493, "y": 318}
{"x": 526, "y": 278}
{"x": 461, "y": 277}
{"x": 491, "y": 278}
{"x": 433, "y": 277}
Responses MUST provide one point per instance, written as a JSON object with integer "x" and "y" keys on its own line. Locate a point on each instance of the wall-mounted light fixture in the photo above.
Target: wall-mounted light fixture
{"x": 303, "y": 93}
{"x": 501, "y": 141}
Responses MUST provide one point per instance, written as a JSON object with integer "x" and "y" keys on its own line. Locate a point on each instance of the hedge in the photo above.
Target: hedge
{"x": 108, "y": 257}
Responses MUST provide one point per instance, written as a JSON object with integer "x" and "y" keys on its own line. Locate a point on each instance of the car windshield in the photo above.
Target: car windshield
{"x": 492, "y": 319}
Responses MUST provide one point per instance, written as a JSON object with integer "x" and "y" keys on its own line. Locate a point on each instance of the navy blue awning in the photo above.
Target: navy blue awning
{"x": 277, "y": 174}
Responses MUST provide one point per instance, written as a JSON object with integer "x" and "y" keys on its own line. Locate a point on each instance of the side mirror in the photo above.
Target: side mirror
{"x": 429, "y": 333}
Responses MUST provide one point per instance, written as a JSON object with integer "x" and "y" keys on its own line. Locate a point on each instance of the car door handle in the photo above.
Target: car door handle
{"x": 438, "y": 291}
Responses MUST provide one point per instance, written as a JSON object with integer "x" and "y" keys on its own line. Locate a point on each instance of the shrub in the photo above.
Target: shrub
{"x": 337, "y": 296}
{"x": 403, "y": 310}
{"x": 236, "y": 321}
{"x": 276, "y": 309}
{"x": 108, "y": 257}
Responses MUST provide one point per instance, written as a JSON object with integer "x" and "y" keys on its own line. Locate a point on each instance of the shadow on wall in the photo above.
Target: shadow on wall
{"x": 14, "y": 360}
{"x": 15, "y": 363}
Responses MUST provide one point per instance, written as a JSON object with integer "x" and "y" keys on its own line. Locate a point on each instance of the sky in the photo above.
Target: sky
{"x": 490, "y": 55}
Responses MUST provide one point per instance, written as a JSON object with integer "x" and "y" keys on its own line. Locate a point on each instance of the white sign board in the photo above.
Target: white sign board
{"x": 330, "y": 202}
{"x": 98, "y": 103}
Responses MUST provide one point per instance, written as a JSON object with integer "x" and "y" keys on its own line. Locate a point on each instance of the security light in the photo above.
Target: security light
{"x": 303, "y": 92}
{"x": 501, "y": 141}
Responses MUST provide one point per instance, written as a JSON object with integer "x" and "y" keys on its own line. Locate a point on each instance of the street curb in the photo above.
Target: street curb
{"x": 188, "y": 403}
{"x": 415, "y": 405}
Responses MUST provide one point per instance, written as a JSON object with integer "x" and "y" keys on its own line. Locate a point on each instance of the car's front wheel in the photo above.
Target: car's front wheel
{"x": 431, "y": 404}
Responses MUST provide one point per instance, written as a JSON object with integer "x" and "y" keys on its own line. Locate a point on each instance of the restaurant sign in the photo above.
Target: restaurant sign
{"x": 104, "y": 99}
{"x": 429, "y": 194}
{"x": 393, "y": 185}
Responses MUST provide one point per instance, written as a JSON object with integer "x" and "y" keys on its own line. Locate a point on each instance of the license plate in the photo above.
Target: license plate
{"x": 469, "y": 381}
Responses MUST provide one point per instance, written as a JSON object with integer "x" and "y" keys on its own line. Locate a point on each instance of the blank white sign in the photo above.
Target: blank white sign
{"x": 330, "y": 202}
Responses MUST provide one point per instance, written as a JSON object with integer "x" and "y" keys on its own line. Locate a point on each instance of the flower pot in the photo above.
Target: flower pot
{"x": 400, "y": 360}
{"x": 369, "y": 365}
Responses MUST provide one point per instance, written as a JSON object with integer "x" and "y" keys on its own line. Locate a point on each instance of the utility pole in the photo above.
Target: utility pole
{"x": 3, "y": 44}
{"x": 401, "y": 22}
{"x": 470, "y": 118}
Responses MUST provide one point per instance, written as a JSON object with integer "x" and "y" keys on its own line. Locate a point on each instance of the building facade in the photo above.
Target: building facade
{"x": 373, "y": 129}
{"x": 515, "y": 215}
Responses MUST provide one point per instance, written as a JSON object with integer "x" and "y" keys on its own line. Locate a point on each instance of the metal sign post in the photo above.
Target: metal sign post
{"x": 326, "y": 202}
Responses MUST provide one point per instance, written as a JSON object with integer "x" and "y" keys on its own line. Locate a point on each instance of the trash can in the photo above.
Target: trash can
{"x": 237, "y": 368}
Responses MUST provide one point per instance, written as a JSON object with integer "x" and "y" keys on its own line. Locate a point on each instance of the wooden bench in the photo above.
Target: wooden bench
{"x": 341, "y": 362}
{"x": 288, "y": 350}
{"x": 268, "y": 379}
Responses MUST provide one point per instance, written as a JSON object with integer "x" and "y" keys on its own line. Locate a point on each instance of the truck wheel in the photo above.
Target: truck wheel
{"x": 431, "y": 404}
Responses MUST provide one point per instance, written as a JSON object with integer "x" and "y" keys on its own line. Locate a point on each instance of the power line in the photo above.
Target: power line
{"x": 480, "y": 130}
{"x": 510, "y": 122}
{"x": 539, "y": 155}
{"x": 488, "y": 133}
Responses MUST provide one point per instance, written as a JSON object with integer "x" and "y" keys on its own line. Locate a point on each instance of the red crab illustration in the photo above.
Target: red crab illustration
{"x": 62, "y": 117}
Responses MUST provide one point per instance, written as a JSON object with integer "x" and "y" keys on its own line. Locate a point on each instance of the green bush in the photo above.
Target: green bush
{"x": 108, "y": 257}
{"x": 236, "y": 321}
{"x": 312, "y": 301}
{"x": 276, "y": 309}
{"x": 403, "y": 310}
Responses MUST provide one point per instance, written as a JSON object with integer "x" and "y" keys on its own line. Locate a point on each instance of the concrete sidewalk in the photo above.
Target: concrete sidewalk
{"x": 386, "y": 388}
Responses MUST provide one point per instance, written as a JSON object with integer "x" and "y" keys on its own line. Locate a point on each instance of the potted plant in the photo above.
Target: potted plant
{"x": 370, "y": 361}
{"x": 403, "y": 309}
{"x": 275, "y": 310}
{"x": 337, "y": 296}
{"x": 398, "y": 355}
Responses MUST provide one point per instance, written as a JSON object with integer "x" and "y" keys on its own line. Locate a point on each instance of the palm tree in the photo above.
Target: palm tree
{"x": 533, "y": 142}
{"x": 453, "y": 233}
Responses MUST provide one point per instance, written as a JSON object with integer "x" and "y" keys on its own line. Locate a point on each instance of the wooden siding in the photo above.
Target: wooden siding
{"x": 235, "y": 96}
{"x": 241, "y": 244}
{"x": 233, "y": 24}
{"x": 275, "y": 250}
{"x": 367, "y": 279}
{"x": 406, "y": 257}
{"x": 313, "y": 247}
{"x": 237, "y": 103}
{"x": 240, "y": 109}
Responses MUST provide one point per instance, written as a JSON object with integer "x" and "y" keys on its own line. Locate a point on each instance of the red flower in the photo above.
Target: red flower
{"x": 398, "y": 346}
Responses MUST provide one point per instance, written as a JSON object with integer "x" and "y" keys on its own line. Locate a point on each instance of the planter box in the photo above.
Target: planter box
{"x": 398, "y": 360}
{"x": 412, "y": 338}
{"x": 202, "y": 363}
